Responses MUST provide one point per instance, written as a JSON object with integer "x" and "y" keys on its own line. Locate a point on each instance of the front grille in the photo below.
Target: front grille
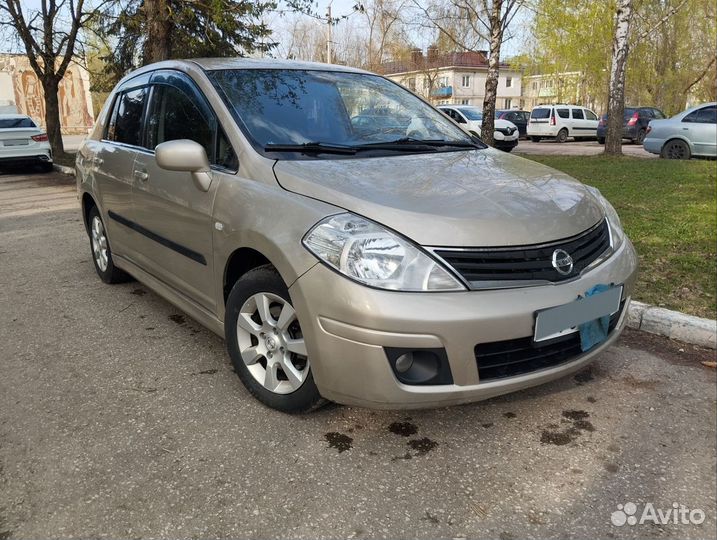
{"x": 528, "y": 263}
{"x": 501, "y": 359}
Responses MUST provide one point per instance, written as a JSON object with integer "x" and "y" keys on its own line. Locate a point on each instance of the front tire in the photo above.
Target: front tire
{"x": 101, "y": 252}
{"x": 266, "y": 344}
{"x": 562, "y": 136}
{"x": 676, "y": 149}
{"x": 601, "y": 140}
{"x": 535, "y": 139}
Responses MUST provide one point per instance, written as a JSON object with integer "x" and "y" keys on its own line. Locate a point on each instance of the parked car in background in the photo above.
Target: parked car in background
{"x": 519, "y": 118}
{"x": 418, "y": 270}
{"x": 634, "y": 125}
{"x": 22, "y": 142}
{"x": 560, "y": 122}
{"x": 505, "y": 136}
{"x": 690, "y": 133}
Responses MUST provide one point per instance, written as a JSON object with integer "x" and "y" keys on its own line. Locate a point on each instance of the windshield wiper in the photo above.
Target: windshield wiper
{"x": 312, "y": 148}
{"x": 410, "y": 141}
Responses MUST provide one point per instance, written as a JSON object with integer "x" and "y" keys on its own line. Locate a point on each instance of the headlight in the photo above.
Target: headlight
{"x": 368, "y": 253}
{"x": 612, "y": 218}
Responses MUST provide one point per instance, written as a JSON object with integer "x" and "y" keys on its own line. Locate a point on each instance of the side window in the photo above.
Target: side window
{"x": 692, "y": 117}
{"x": 563, "y": 113}
{"x": 126, "y": 124}
{"x": 590, "y": 115}
{"x": 175, "y": 116}
{"x": 658, "y": 113}
{"x": 578, "y": 114}
{"x": 708, "y": 115}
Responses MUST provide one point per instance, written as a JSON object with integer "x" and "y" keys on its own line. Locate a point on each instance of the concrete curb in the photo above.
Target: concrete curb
{"x": 64, "y": 170}
{"x": 673, "y": 324}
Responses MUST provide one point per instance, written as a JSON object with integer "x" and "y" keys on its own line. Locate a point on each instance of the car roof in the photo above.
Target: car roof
{"x": 213, "y": 64}
{"x": 11, "y": 116}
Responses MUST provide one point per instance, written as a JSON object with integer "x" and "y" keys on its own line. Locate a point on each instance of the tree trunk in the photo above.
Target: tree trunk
{"x": 157, "y": 45}
{"x": 491, "y": 81}
{"x": 616, "y": 94}
{"x": 50, "y": 86}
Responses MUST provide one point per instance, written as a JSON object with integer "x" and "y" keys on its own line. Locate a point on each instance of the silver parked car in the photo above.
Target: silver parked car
{"x": 690, "y": 133}
{"x": 349, "y": 241}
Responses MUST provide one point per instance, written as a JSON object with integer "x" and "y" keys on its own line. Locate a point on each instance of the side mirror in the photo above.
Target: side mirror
{"x": 187, "y": 156}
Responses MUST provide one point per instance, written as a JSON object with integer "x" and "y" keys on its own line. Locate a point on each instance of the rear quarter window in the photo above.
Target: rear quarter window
{"x": 540, "y": 113}
{"x": 563, "y": 113}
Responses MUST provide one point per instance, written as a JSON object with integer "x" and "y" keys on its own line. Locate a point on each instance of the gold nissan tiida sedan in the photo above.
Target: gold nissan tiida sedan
{"x": 349, "y": 241}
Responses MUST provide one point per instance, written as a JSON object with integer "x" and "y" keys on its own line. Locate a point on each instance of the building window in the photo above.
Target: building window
{"x": 426, "y": 83}
{"x": 466, "y": 81}
{"x": 507, "y": 103}
{"x": 412, "y": 84}
{"x": 442, "y": 82}
{"x": 535, "y": 85}
{"x": 509, "y": 82}
{"x": 465, "y": 102}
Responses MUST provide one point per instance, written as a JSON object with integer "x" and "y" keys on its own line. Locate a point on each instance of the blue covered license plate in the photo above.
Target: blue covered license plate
{"x": 560, "y": 320}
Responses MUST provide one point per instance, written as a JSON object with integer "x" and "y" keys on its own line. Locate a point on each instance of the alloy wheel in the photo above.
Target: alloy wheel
{"x": 676, "y": 150}
{"x": 99, "y": 244}
{"x": 271, "y": 343}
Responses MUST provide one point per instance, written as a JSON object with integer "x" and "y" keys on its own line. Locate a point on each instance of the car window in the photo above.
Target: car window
{"x": 526, "y": 116}
{"x": 658, "y": 114}
{"x": 578, "y": 114}
{"x": 590, "y": 115}
{"x": 22, "y": 122}
{"x": 708, "y": 115}
{"x": 540, "y": 113}
{"x": 126, "y": 124}
{"x": 563, "y": 113}
{"x": 286, "y": 107}
{"x": 174, "y": 115}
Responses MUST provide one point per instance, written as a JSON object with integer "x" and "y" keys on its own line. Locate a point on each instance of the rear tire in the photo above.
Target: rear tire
{"x": 601, "y": 140}
{"x": 640, "y": 137}
{"x": 675, "y": 149}
{"x": 266, "y": 345}
{"x": 535, "y": 139}
{"x": 101, "y": 252}
{"x": 562, "y": 136}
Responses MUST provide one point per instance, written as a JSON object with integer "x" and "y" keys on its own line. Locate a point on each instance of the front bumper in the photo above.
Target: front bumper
{"x": 347, "y": 327}
{"x": 505, "y": 144}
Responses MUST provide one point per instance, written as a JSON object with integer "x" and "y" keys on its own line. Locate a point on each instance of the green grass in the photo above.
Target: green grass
{"x": 669, "y": 211}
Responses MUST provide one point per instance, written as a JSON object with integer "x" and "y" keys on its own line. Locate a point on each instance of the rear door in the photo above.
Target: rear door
{"x": 112, "y": 163}
{"x": 579, "y": 125}
{"x": 172, "y": 214}
{"x": 702, "y": 127}
{"x": 540, "y": 121}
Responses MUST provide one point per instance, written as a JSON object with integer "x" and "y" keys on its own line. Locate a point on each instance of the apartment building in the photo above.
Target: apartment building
{"x": 565, "y": 87}
{"x": 454, "y": 78}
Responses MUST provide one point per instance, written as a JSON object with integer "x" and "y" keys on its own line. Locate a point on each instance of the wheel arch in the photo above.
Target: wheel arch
{"x": 88, "y": 202}
{"x": 677, "y": 138}
{"x": 239, "y": 262}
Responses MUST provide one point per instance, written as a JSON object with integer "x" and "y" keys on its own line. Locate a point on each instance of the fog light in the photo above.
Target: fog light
{"x": 419, "y": 366}
{"x": 404, "y": 362}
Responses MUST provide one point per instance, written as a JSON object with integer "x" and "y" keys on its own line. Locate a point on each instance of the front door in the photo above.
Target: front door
{"x": 702, "y": 127}
{"x": 174, "y": 215}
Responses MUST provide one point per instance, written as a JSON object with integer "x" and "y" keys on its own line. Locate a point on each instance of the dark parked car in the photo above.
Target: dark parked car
{"x": 634, "y": 125}
{"x": 519, "y": 118}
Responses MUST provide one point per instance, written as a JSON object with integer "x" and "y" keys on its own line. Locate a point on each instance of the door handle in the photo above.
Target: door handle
{"x": 142, "y": 176}
{"x": 97, "y": 161}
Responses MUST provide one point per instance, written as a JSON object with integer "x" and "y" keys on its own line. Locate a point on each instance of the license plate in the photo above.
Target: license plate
{"x": 560, "y": 320}
{"x": 16, "y": 142}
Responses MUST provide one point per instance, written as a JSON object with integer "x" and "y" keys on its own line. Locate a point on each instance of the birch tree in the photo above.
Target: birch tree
{"x": 616, "y": 94}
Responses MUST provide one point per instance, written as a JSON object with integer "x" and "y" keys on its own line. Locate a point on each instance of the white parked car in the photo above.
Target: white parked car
{"x": 505, "y": 136}
{"x": 562, "y": 121}
{"x": 690, "y": 133}
{"x": 23, "y": 142}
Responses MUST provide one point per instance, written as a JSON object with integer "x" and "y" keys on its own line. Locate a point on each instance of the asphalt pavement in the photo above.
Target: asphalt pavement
{"x": 120, "y": 417}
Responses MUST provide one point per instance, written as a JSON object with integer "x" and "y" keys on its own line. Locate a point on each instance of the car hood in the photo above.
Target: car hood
{"x": 498, "y": 123}
{"x": 466, "y": 198}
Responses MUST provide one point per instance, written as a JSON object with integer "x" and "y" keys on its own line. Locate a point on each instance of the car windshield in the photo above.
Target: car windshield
{"x": 296, "y": 107}
{"x": 21, "y": 122}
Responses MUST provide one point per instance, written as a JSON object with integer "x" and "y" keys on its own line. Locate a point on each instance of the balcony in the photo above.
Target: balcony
{"x": 443, "y": 92}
